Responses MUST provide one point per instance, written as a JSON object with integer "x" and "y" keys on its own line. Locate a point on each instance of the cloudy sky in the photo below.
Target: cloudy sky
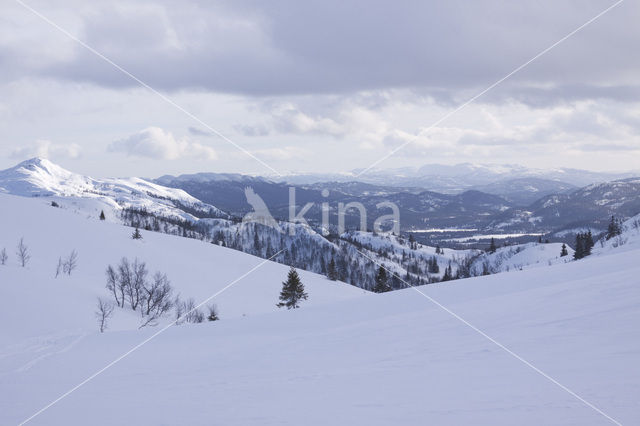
{"x": 317, "y": 86}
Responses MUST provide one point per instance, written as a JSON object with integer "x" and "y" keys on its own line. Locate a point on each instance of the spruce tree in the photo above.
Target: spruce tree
{"x": 614, "y": 229}
{"x": 564, "y": 251}
{"x": 136, "y": 234}
{"x": 579, "y": 253}
{"x": 492, "y": 246}
{"x": 292, "y": 291}
{"x": 332, "y": 272}
{"x": 102, "y": 217}
{"x": 382, "y": 285}
{"x": 588, "y": 243}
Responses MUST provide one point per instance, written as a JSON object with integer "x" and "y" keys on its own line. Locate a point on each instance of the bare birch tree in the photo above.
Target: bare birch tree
{"x": 104, "y": 312}
{"x": 23, "y": 253}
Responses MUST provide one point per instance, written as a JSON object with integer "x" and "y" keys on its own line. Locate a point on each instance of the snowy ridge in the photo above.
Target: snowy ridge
{"x": 39, "y": 177}
{"x": 629, "y": 239}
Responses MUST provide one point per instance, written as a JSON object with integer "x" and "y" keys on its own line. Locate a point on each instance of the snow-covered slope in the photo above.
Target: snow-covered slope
{"x": 196, "y": 269}
{"x": 394, "y": 358}
{"x": 629, "y": 239}
{"x": 521, "y": 256}
{"x": 39, "y": 177}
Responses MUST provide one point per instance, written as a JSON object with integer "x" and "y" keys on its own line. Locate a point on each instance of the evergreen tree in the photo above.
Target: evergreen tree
{"x": 136, "y": 234}
{"x": 256, "y": 241}
{"x": 492, "y": 246}
{"x": 588, "y": 243}
{"x": 584, "y": 244}
{"x": 332, "y": 272}
{"x": 563, "y": 251}
{"x": 579, "y": 253}
{"x": 614, "y": 228}
{"x": 292, "y": 291}
{"x": 448, "y": 274}
{"x": 382, "y": 285}
{"x": 102, "y": 217}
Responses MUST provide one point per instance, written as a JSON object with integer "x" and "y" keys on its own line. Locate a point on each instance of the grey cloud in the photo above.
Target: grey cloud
{"x": 251, "y": 130}
{"x": 199, "y": 132}
{"x": 292, "y": 47}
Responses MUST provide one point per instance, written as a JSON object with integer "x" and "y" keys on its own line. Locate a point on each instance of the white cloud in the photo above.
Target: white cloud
{"x": 46, "y": 149}
{"x": 282, "y": 154}
{"x": 287, "y": 118}
{"x": 154, "y": 142}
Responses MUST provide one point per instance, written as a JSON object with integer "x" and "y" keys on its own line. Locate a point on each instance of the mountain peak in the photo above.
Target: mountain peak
{"x": 38, "y": 176}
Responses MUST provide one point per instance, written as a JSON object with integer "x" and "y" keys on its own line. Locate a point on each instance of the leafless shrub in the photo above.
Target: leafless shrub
{"x": 619, "y": 241}
{"x": 186, "y": 311}
{"x": 213, "y": 313}
{"x": 3, "y": 257}
{"x": 104, "y": 312}
{"x": 156, "y": 299}
{"x": 23, "y": 253}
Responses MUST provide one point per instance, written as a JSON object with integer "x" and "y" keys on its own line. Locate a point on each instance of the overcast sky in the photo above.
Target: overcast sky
{"x": 318, "y": 86}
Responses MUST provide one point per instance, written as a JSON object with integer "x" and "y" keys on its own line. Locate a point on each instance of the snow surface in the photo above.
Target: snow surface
{"x": 522, "y": 256}
{"x": 345, "y": 357}
{"x": 39, "y": 177}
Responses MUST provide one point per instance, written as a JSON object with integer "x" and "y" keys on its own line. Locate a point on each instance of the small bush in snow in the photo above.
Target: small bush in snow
{"x": 187, "y": 311}
{"x": 3, "y": 257}
{"x": 213, "y": 313}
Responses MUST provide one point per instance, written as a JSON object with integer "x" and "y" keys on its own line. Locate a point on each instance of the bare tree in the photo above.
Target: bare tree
{"x": 23, "y": 253}
{"x": 104, "y": 312}
{"x": 3, "y": 257}
{"x": 71, "y": 263}
{"x": 156, "y": 300}
{"x": 152, "y": 298}
{"x": 138, "y": 279}
{"x": 188, "y": 312}
{"x": 113, "y": 285}
{"x": 59, "y": 267}
{"x": 124, "y": 278}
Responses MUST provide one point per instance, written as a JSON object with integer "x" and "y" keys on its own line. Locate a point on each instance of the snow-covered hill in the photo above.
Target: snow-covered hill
{"x": 39, "y": 177}
{"x": 195, "y": 268}
{"x": 344, "y": 358}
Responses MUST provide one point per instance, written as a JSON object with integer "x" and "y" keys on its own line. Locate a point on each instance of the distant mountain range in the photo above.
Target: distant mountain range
{"x": 506, "y": 205}
{"x": 512, "y": 205}
{"x": 459, "y": 177}
{"x": 209, "y": 207}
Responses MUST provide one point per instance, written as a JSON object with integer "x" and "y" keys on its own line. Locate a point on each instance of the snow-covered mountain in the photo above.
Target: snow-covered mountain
{"x": 344, "y": 357}
{"x": 459, "y": 177}
{"x": 524, "y": 191}
{"x": 591, "y": 206}
{"x": 39, "y": 177}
